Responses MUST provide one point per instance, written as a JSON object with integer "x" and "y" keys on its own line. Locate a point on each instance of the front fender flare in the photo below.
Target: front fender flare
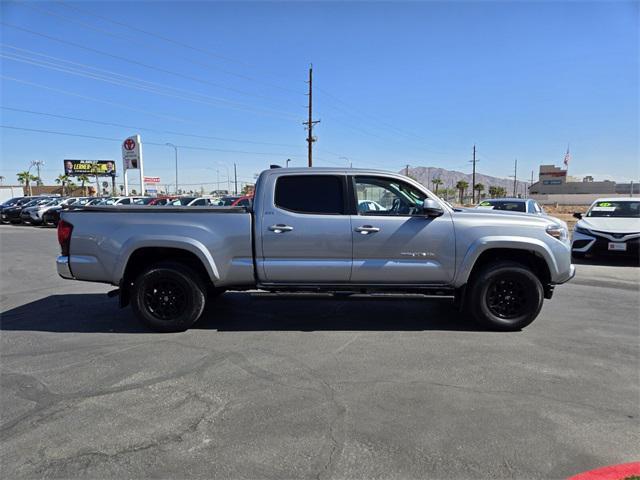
{"x": 484, "y": 244}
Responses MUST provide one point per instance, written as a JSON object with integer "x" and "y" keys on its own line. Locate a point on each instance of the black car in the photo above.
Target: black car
{"x": 52, "y": 216}
{"x": 10, "y": 204}
{"x": 12, "y": 214}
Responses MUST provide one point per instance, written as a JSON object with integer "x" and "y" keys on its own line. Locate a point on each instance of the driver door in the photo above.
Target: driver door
{"x": 393, "y": 243}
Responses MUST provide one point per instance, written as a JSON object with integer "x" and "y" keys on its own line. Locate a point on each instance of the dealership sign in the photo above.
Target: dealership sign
{"x": 103, "y": 168}
{"x": 131, "y": 153}
{"x": 132, "y": 160}
{"x": 151, "y": 179}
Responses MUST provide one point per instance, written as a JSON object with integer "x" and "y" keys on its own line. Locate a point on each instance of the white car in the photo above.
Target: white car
{"x": 611, "y": 225}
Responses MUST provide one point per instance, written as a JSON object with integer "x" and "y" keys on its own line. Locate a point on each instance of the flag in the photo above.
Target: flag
{"x": 567, "y": 157}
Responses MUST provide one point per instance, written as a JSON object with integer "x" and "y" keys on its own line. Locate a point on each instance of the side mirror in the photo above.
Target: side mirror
{"x": 577, "y": 215}
{"x": 431, "y": 208}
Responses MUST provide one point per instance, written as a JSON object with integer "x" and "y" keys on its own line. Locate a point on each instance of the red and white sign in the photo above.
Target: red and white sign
{"x": 151, "y": 179}
{"x": 131, "y": 153}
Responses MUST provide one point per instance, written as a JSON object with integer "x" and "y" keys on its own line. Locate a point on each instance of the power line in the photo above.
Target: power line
{"x": 155, "y": 90}
{"x": 87, "y": 97}
{"x": 110, "y": 72}
{"x": 166, "y": 39}
{"x": 168, "y": 132}
{"x": 129, "y": 61}
{"x": 190, "y": 147}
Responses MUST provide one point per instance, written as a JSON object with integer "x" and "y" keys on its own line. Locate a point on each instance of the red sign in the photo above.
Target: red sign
{"x": 129, "y": 144}
{"x": 151, "y": 179}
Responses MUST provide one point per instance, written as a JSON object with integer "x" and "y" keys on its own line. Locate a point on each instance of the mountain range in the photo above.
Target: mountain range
{"x": 449, "y": 178}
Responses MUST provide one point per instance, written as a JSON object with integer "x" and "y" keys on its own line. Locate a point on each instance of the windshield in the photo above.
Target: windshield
{"x": 618, "y": 209}
{"x": 142, "y": 201}
{"x": 227, "y": 201}
{"x": 509, "y": 206}
{"x": 182, "y": 201}
{"x": 11, "y": 202}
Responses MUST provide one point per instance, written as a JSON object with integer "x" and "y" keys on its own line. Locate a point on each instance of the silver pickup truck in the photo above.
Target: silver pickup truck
{"x": 319, "y": 230}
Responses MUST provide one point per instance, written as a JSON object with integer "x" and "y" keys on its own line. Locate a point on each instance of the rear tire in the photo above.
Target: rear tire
{"x": 168, "y": 297}
{"x": 505, "y": 296}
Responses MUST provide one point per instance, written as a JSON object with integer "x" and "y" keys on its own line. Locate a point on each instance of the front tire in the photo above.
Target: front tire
{"x": 168, "y": 297}
{"x": 505, "y": 296}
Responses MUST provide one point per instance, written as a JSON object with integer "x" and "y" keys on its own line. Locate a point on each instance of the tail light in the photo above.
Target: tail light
{"x": 64, "y": 236}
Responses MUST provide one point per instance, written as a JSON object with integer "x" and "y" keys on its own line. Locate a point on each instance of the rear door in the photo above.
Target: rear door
{"x": 305, "y": 230}
{"x": 396, "y": 244}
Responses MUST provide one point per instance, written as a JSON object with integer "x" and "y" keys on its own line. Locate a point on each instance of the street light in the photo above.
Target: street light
{"x": 176, "y": 150}
{"x": 347, "y": 159}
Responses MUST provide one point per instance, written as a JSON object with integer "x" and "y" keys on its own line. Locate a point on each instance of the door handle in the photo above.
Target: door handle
{"x": 280, "y": 228}
{"x": 367, "y": 229}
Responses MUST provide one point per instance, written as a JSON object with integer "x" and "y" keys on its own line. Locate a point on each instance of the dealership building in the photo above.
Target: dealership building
{"x": 554, "y": 185}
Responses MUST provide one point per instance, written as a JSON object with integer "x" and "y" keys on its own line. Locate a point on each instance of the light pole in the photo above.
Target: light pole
{"x": 176, "y": 150}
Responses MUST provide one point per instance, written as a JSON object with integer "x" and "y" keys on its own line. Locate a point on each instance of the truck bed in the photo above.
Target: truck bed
{"x": 154, "y": 209}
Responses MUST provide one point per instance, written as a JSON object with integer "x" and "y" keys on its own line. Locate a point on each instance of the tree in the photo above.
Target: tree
{"x": 462, "y": 186}
{"x": 493, "y": 191}
{"x": 501, "y": 192}
{"x": 25, "y": 177}
{"x": 83, "y": 179}
{"x": 63, "y": 180}
{"x": 436, "y": 182}
{"x": 1, "y": 179}
{"x": 478, "y": 187}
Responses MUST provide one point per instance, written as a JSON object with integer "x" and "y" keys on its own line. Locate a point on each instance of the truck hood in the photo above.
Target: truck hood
{"x": 490, "y": 213}
{"x": 611, "y": 224}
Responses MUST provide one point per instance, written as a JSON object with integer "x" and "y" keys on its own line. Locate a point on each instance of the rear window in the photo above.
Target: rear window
{"x": 319, "y": 194}
{"x": 505, "y": 205}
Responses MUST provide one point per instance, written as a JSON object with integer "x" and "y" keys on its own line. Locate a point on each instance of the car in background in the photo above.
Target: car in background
{"x": 235, "y": 201}
{"x": 522, "y": 205}
{"x": 181, "y": 201}
{"x": 13, "y": 214}
{"x": 121, "y": 200}
{"x": 34, "y": 215}
{"x": 143, "y": 201}
{"x": 610, "y": 226}
{"x": 165, "y": 200}
{"x": 12, "y": 202}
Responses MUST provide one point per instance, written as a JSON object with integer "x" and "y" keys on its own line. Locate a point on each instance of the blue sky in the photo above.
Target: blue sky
{"x": 397, "y": 83}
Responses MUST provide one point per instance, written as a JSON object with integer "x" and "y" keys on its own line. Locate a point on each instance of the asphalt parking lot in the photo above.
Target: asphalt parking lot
{"x": 299, "y": 386}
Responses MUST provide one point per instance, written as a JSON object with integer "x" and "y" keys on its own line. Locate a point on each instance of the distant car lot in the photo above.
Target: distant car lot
{"x": 321, "y": 387}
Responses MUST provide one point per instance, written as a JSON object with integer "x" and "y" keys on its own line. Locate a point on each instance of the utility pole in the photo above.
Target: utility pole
{"x": 235, "y": 176}
{"x": 406, "y": 170}
{"x": 473, "y": 177}
{"x": 310, "y": 122}
{"x": 515, "y": 177}
{"x": 175, "y": 148}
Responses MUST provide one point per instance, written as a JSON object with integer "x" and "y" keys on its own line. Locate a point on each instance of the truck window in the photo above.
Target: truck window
{"x": 387, "y": 196}
{"x": 319, "y": 194}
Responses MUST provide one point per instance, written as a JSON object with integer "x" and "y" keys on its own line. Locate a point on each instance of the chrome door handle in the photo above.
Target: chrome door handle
{"x": 367, "y": 229}
{"x": 280, "y": 228}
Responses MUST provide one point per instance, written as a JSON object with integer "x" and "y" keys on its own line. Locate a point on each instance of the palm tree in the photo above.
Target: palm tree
{"x": 462, "y": 186}
{"x": 478, "y": 187}
{"x": 83, "y": 179}
{"x": 62, "y": 179}
{"x": 1, "y": 179}
{"x": 493, "y": 191}
{"x": 24, "y": 178}
{"x": 436, "y": 182}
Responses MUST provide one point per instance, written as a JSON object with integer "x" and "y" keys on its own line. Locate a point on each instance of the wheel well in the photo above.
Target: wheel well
{"x": 144, "y": 257}
{"x": 527, "y": 258}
